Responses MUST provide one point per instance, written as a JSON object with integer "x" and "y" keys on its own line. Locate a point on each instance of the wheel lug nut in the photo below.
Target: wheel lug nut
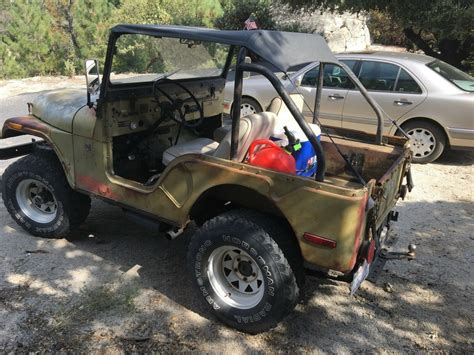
{"x": 238, "y": 259}
{"x": 245, "y": 279}
{"x": 254, "y": 274}
{"x": 236, "y": 270}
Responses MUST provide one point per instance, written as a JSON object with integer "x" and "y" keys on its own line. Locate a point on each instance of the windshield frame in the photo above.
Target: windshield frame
{"x": 456, "y": 70}
{"x": 107, "y": 86}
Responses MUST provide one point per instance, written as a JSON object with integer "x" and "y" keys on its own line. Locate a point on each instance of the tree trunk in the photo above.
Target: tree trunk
{"x": 450, "y": 51}
{"x": 70, "y": 28}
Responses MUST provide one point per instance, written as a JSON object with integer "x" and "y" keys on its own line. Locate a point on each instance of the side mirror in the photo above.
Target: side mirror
{"x": 92, "y": 78}
{"x": 298, "y": 80}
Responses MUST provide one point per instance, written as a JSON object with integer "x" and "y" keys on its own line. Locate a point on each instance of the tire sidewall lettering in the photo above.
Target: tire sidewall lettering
{"x": 200, "y": 265}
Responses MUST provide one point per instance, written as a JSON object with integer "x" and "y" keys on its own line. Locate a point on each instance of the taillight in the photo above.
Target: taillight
{"x": 316, "y": 239}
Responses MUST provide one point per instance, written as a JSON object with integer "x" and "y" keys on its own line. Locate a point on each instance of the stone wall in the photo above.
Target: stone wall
{"x": 343, "y": 32}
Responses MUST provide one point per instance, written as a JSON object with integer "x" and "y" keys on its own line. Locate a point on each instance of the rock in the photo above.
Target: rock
{"x": 343, "y": 32}
{"x": 388, "y": 287}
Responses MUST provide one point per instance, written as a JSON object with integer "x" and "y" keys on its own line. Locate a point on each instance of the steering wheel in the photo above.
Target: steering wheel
{"x": 177, "y": 105}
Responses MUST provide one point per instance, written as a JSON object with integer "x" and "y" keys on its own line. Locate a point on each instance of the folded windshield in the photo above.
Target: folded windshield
{"x": 141, "y": 58}
{"x": 457, "y": 77}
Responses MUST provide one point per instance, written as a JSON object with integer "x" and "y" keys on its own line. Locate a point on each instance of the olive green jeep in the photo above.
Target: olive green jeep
{"x": 149, "y": 137}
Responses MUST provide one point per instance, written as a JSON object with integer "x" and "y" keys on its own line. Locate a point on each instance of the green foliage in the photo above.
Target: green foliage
{"x": 384, "y": 30}
{"x": 193, "y": 12}
{"x": 27, "y": 47}
{"x": 237, "y": 11}
{"x": 441, "y": 28}
{"x": 142, "y": 11}
{"x": 57, "y": 37}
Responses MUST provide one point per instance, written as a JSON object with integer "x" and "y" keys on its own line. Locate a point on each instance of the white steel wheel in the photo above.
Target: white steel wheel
{"x": 423, "y": 142}
{"x": 36, "y": 201}
{"x": 235, "y": 277}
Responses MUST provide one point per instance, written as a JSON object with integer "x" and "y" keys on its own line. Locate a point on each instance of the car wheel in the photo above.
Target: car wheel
{"x": 38, "y": 197}
{"x": 249, "y": 106}
{"x": 426, "y": 139}
{"x": 241, "y": 273}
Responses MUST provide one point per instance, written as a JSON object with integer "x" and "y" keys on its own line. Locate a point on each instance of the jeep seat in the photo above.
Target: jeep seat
{"x": 279, "y": 108}
{"x": 252, "y": 127}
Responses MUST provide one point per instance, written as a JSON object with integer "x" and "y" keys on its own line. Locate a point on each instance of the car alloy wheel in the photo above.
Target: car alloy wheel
{"x": 423, "y": 142}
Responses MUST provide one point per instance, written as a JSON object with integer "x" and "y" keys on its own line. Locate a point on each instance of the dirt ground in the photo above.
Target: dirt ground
{"x": 113, "y": 286}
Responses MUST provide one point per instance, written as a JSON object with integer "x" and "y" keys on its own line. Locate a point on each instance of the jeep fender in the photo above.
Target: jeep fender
{"x": 60, "y": 141}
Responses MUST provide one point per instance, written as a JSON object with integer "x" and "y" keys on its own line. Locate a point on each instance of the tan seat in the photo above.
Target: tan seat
{"x": 279, "y": 108}
{"x": 252, "y": 127}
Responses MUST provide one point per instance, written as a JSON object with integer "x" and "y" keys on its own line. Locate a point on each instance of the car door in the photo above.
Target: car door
{"x": 392, "y": 87}
{"x": 335, "y": 88}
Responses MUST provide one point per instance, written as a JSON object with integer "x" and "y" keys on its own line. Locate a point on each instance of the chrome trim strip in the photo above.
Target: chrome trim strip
{"x": 461, "y": 133}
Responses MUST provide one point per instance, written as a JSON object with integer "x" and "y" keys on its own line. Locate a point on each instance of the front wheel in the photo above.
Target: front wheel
{"x": 241, "y": 273}
{"x": 38, "y": 197}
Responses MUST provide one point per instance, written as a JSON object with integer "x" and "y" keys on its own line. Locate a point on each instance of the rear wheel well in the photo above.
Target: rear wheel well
{"x": 222, "y": 198}
{"x": 424, "y": 119}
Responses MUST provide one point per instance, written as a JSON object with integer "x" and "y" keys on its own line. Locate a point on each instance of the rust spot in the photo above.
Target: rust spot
{"x": 87, "y": 183}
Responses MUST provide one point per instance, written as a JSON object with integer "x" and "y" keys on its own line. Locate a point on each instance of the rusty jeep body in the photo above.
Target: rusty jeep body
{"x": 154, "y": 144}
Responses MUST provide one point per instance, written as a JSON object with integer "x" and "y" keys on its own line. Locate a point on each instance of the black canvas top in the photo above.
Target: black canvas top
{"x": 281, "y": 49}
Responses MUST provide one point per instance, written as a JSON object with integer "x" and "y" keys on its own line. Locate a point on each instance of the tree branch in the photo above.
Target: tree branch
{"x": 420, "y": 42}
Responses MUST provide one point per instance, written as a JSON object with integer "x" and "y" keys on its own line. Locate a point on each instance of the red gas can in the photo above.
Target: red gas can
{"x": 266, "y": 154}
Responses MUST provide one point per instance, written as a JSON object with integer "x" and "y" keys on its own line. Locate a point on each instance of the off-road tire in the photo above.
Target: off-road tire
{"x": 43, "y": 166}
{"x": 247, "y": 231}
{"x": 437, "y": 133}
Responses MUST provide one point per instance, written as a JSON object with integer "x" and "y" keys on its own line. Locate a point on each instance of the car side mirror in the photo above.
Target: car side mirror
{"x": 92, "y": 78}
{"x": 298, "y": 80}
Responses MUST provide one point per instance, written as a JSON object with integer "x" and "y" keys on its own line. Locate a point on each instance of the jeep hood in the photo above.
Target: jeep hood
{"x": 59, "y": 107}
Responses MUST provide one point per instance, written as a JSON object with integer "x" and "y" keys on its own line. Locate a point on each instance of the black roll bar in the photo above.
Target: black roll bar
{"x": 319, "y": 91}
{"x": 260, "y": 69}
{"x": 238, "y": 82}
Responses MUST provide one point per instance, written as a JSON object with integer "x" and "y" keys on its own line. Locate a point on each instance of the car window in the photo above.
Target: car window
{"x": 378, "y": 76}
{"x": 457, "y": 77}
{"x": 334, "y": 77}
{"x": 406, "y": 83}
{"x": 349, "y": 62}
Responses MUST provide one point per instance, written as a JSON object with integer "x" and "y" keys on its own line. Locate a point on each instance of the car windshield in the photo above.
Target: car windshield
{"x": 457, "y": 77}
{"x": 141, "y": 58}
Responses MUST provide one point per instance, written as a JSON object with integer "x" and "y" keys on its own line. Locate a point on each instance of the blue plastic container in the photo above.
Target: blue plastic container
{"x": 306, "y": 162}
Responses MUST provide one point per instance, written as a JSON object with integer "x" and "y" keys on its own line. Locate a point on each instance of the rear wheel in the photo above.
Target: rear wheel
{"x": 241, "y": 273}
{"x": 427, "y": 140}
{"x": 38, "y": 197}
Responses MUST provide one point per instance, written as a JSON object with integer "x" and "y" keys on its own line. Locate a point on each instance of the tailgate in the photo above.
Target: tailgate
{"x": 390, "y": 187}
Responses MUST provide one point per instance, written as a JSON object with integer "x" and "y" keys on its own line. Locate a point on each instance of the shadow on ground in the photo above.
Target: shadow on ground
{"x": 64, "y": 294}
